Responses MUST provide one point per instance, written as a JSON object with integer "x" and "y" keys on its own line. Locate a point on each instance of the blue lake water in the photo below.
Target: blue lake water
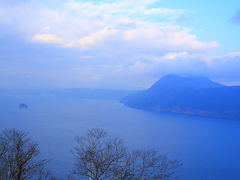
{"x": 209, "y": 148}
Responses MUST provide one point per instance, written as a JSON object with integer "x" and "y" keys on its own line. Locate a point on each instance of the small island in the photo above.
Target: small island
{"x": 22, "y": 106}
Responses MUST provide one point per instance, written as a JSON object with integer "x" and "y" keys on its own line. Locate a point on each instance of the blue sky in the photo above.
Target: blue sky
{"x": 213, "y": 20}
{"x": 123, "y": 44}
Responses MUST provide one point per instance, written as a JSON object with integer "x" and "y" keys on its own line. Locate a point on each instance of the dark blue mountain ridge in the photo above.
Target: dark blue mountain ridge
{"x": 176, "y": 81}
{"x": 188, "y": 95}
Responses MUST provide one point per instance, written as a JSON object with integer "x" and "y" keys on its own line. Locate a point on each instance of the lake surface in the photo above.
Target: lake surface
{"x": 209, "y": 148}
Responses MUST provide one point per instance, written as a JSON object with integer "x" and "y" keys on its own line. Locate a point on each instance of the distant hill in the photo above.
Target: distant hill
{"x": 188, "y": 95}
{"x": 86, "y": 93}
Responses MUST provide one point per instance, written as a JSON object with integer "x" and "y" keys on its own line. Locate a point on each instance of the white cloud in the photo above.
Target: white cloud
{"x": 175, "y": 55}
{"x": 88, "y": 25}
{"x": 117, "y": 42}
{"x": 93, "y": 39}
{"x": 48, "y": 38}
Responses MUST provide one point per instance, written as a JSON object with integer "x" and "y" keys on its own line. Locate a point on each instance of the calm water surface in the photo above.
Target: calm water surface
{"x": 209, "y": 148}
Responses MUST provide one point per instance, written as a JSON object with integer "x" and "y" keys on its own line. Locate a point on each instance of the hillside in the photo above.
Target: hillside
{"x": 188, "y": 95}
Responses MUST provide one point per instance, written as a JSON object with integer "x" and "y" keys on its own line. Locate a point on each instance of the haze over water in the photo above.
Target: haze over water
{"x": 54, "y": 49}
{"x": 208, "y": 148}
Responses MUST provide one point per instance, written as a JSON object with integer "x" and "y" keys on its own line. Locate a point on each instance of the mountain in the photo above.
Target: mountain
{"x": 87, "y": 93}
{"x": 188, "y": 95}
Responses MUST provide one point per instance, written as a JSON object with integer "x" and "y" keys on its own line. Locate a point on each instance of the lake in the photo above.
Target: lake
{"x": 209, "y": 148}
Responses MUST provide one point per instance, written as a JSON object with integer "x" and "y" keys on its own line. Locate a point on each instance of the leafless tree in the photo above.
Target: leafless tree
{"x": 99, "y": 156}
{"x": 148, "y": 165}
{"x": 96, "y": 153}
{"x": 3, "y": 150}
{"x": 19, "y": 157}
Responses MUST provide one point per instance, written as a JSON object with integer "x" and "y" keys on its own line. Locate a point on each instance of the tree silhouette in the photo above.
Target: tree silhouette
{"x": 102, "y": 157}
{"x": 19, "y": 157}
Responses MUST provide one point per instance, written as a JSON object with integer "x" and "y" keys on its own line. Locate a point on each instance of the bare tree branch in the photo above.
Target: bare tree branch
{"x": 99, "y": 156}
{"x": 19, "y": 156}
{"x": 96, "y": 153}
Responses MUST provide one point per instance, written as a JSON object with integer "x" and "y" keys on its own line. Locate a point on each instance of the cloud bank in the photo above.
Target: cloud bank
{"x": 88, "y": 25}
{"x": 114, "y": 43}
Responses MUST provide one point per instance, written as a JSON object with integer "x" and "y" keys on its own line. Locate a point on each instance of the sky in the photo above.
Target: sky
{"x": 118, "y": 44}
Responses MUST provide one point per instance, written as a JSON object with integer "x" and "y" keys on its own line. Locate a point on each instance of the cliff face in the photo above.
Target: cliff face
{"x": 188, "y": 95}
